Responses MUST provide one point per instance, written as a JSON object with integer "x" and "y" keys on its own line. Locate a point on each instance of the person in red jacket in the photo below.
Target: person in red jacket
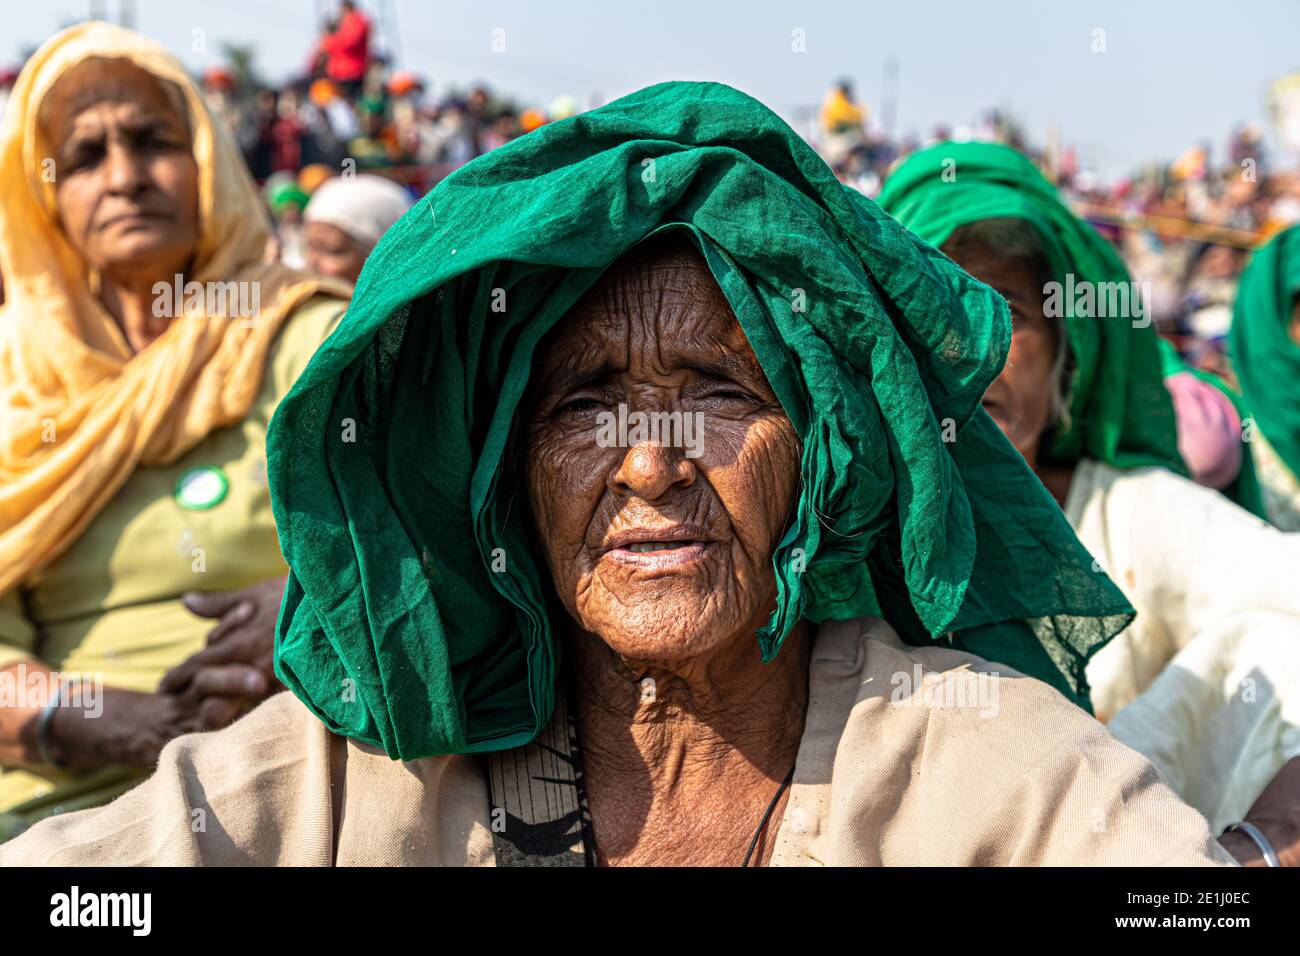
{"x": 347, "y": 49}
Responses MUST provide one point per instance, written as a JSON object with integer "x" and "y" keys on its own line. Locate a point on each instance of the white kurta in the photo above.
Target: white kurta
{"x": 1280, "y": 487}
{"x": 1206, "y": 681}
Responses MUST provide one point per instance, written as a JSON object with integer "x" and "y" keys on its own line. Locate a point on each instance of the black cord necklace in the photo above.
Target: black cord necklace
{"x": 762, "y": 824}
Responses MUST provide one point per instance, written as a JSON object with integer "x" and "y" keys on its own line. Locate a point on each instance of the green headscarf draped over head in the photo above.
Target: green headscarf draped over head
{"x": 418, "y": 615}
{"x": 1264, "y": 356}
{"x": 1120, "y": 411}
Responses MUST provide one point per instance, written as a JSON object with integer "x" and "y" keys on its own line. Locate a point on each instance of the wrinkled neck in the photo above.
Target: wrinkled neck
{"x": 673, "y": 719}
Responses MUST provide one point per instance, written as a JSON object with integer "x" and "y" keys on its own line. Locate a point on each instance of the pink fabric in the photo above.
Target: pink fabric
{"x": 1209, "y": 430}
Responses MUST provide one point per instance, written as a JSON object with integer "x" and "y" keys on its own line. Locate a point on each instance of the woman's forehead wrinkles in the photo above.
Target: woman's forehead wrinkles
{"x": 669, "y": 331}
{"x": 133, "y": 117}
{"x": 138, "y": 103}
{"x": 96, "y": 81}
{"x": 657, "y": 315}
{"x": 715, "y": 346}
{"x": 573, "y": 358}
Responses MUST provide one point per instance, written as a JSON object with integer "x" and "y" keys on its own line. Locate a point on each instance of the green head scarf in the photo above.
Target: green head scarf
{"x": 1264, "y": 356}
{"x": 418, "y": 615}
{"x": 1120, "y": 411}
{"x": 286, "y": 194}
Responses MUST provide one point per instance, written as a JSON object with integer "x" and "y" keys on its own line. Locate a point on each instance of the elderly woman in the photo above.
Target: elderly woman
{"x": 1204, "y": 681}
{"x": 344, "y": 220}
{"x": 623, "y": 530}
{"x": 1264, "y": 344}
{"x": 143, "y": 348}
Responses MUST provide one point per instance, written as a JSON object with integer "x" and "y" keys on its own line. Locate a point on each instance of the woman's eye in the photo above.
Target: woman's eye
{"x": 84, "y": 157}
{"x": 730, "y": 395}
{"x": 158, "y": 142}
{"x": 576, "y": 406}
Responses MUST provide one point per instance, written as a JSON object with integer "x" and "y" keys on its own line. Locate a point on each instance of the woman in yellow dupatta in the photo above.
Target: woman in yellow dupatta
{"x": 144, "y": 344}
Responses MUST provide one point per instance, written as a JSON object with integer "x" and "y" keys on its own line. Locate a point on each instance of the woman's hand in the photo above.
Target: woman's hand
{"x": 131, "y": 729}
{"x": 114, "y": 726}
{"x": 1277, "y": 814}
{"x": 206, "y": 692}
{"x": 235, "y": 670}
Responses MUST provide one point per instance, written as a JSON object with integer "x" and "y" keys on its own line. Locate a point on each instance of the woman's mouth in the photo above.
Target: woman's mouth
{"x": 641, "y": 547}
{"x": 658, "y": 549}
{"x": 130, "y": 220}
{"x": 659, "y": 555}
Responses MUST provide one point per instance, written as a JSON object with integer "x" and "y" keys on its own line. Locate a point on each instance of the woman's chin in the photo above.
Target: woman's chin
{"x": 662, "y": 630}
{"x": 150, "y": 253}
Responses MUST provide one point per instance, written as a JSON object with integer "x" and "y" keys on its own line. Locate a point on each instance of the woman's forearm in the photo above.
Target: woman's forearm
{"x": 86, "y": 729}
{"x": 25, "y": 688}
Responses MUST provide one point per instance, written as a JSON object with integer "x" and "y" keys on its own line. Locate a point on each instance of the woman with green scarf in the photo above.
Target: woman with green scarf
{"x": 1264, "y": 345}
{"x": 1082, "y": 399}
{"x": 642, "y": 511}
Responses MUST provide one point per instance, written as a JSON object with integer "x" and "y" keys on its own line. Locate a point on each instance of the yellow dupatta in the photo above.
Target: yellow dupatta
{"x": 79, "y": 412}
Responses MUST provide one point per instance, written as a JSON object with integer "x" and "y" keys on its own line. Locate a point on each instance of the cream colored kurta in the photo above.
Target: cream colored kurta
{"x": 962, "y": 768}
{"x": 1206, "y": 681}
{"x": 1277, "y": 482}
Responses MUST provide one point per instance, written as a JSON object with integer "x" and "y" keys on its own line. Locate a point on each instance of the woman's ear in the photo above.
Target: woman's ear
{"x": 1063, "y": 389}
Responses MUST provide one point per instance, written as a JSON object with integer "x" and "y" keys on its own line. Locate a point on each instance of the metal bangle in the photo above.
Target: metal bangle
{"x": 43, "y": 725}
{"x": 1261, "y": 841}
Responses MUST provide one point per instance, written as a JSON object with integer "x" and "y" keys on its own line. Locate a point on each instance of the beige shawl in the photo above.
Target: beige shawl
{"x": 891, "y": 770}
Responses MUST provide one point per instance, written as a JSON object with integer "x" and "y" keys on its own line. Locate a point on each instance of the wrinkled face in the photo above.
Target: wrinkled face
{"x": 1020, "y": 399}
{"x": 661, "y": 545}
{"x": 332, "y": 252}
{"x": 127, "y": 183}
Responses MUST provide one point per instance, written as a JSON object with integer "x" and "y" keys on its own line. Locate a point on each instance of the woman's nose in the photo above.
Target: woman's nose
{"x": 125, "y": 170}
{"x": 649, "y": 470}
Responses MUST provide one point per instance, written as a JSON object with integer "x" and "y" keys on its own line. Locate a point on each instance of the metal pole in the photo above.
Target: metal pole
{"x": 394, "y": 33}
{"x": 889, "y": 97}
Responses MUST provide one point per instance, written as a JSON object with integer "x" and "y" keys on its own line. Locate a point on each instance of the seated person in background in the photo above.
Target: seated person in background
{"x": 1264, "y": 345}
{"x": 286, "y": 200}
{"x": 344, "y": 220}
{"x": 1210, "y": 431}
{"x": 761, "y": 630}
{"x": 1206, "y": 681}
{"x": 143, "y": 348}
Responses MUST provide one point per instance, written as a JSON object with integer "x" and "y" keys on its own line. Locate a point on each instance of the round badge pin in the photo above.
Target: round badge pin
{"x": 199, "y": 489}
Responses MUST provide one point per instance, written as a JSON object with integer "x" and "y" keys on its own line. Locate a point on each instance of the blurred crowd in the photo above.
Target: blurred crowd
{"x": 351, "y": 112}
{"x": 1184, "y": 227}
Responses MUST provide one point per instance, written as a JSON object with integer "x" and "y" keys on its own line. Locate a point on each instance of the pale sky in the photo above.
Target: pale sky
{"x": 1174, "y": 72}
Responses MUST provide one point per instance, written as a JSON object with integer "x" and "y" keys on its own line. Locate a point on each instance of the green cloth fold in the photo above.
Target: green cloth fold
{"x": 1120, "y": 411}
{"x": 1264, "y": 356}
{"x": 395, "y": 494}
